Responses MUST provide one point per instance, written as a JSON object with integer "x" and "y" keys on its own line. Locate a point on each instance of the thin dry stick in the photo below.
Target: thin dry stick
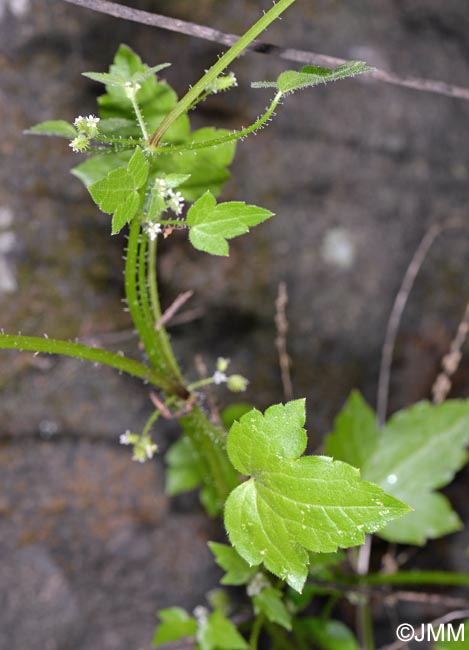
{"x": 396, "y": 316}
{"x": 442, "y": 620}
{"x": 281, "y": 323}
{"x": 290, "y": 54}
{"x": 173, "y": 308}
{"x": 451, "y": 360}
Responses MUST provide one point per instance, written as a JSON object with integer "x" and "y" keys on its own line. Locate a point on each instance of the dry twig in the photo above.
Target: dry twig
{"x": 288, "y": 53}
{"x": 451, "y": 360}
{"x": 281, "y": 323}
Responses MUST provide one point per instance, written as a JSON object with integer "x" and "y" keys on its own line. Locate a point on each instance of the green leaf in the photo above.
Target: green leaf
{"x": 98, "y": 167}
{"x": 456, "y": 636}
{"x": 418, "y": 451}
{"x": 185, "y": 471}
{"x": 207, "y": 167}
{"x": 291, "y": 505}
{"x": 156, "y": 99}
{"x": 118, "y": 193}
{"x": 355, "y": 435}
{"x": 324, "y": 634}
{"x": 433, "y": 517}
{"x": 238, "y": 571}
{"x": 269, "y": 602}
{"x": 124, "y": 77}
{"x": 219, "y": 633}
{"x": 312, "y": 75}
{"x": 175, "y": 624}
{"x": 233, "y": 412}
{"x": 54, "y": 127}
{"x": 212, "y": 225}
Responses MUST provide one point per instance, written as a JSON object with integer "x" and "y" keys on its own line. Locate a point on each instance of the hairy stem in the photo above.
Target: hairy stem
{"x": 156, "y": 309}
{"x": 223, "y": 62}
{"x": 80, "y": 351}
{"x": 230, "y": 137}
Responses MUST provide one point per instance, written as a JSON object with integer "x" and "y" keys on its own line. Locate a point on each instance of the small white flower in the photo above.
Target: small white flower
{"x": 175, "y": 201}
{"x": 150, "y": 449}
{"x": 78, "y": 120}
{"x": 222, "y": 364}
{"x": 160, "y": 185}
{"x": 125, "y": 438}
{"x": 131, "y": 89}
{"x": 92, "y": 120}
{"x": 153, "y": 230}
{"x": 219, "y": 377}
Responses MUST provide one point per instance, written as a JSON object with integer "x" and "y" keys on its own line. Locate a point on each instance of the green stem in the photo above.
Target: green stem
{"x": 230, "y": 137}
{"x": 142, "y": 280}
{"x": 150, "y": 422}
{"x": 223, "y": 62}
{"x": 200, "y": 383}
{"x": 80, "y": 351}
{"x": 210, "y": 444}
{"x": 416, "y": 577}
{"x": 255, "y": 632}
{"x": 366, "y": 626}
{"x": 139, "y": 116}
{"x": 143, "y": 327}
{"x": 156, "y": 309}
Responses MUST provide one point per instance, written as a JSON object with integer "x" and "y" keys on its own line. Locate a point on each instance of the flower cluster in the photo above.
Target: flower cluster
{"x": 143, "y": 446}
{"x": 235, "y": 383}
{"x": 87, "y": 128}
{"x": 222, "y": 83}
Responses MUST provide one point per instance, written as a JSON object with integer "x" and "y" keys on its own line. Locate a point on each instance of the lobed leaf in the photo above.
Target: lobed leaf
{"x": 212, "y": 225}
{"x": 293, "y": 505}
{"x": 118, "y": 193}
{"x": 311, "y": 75}
{"x": 417, "y": 452}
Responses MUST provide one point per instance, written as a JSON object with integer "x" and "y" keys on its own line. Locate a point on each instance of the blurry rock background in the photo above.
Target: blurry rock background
{"x": 90, "y": 546}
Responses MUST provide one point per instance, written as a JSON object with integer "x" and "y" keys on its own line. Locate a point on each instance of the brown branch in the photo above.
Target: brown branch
{"x": 398, "y": 309}
{"x": 173, "y": 308}
{"x": 281, "y": 323}
{"x": 451, "y": 360}
{"x": 290, "y": 54}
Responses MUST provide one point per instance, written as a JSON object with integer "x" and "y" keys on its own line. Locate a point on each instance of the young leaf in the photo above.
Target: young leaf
{"x": 238, "y": 571}
{"x": 118, "y": 194}
{"x": 312, "y": 75}
{"x": 54, "y": 127}
{"x": 175, "y": 624}
{"x": 212, "y": 225}
{"x": 219, "y": 633}
{"x": 269, "y": 602}
{"x": 124, "y": 77}
{"x": 355, "y": 434}
{"x": 185, "y": 471}
{"x": 291, "y": 505}
{"x": 324, "y": 634}
{"x": 418, "y": 451}
{"x": 155, "y": 98}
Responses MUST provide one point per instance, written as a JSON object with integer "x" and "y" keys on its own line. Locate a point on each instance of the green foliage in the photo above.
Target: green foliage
{"x": 311, "y": 75}
{"x": 118, "y": 193}
{"x": 269, "y": 601}
{"x": 122, "y": 74}
{"x": 323, "y": 634}
{"x": 184, "y": 468}
{"x": 175, "y": 624}
{"x": 212, "y": 225}
{"x": 218, "y": 633}
{"x": 233, "y": 412}
{"x": 291, "y": 505}
{"x": 417, "y": 452}
{"x": 58, "y": 128}
{"x": 238, "y": 571}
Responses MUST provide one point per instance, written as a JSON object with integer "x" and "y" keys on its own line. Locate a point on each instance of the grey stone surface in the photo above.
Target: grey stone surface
{"x": 358, "y": 167}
